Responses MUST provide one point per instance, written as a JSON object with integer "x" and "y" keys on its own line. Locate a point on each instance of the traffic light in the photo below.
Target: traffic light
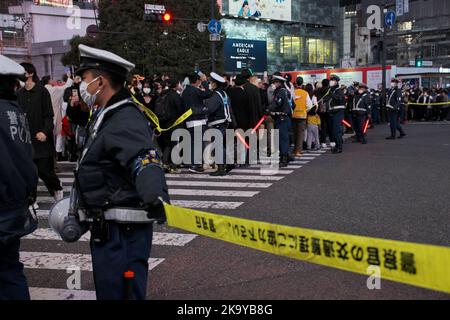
{"x": 167, "y": 18}
{"x": 419, "y": 61}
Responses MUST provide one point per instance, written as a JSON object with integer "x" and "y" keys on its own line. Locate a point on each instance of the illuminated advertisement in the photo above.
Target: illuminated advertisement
{"x": 265, "y": 9}
{"x": 54, "y": 3}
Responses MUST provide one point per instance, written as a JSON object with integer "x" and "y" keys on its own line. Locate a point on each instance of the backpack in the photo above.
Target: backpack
{"x": 162, "y": 107}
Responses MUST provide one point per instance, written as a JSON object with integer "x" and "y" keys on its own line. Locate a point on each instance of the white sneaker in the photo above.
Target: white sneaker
{"x": 59, "y": 195}
{"x": 324, "y": 145}
{"x": 333, "y": 144}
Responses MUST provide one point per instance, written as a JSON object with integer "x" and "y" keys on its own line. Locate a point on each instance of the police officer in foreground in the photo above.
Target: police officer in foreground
{"x": 120, "y": 181}
{"x": 18, "y": 181}
{"x": 281, "y": 111}
{"x": 336, "y": 110}
{"x": 393, "y": 102}
{"x": 219, "y": 116}
{"x": 360, "y": 111}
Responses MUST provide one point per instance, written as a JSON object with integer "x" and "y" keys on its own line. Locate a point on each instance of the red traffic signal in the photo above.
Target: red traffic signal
{"x": 167, "y": 17}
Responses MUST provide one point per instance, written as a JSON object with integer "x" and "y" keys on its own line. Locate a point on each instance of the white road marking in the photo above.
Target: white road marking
{"x": 212, "y": 193}
{"x": 229, "y": 177}
{"x": 61, "y": 294}
{"x": 63, "y": 261}
{"x": 218, "y": 184}
{"x": 261, "y": 171}
{"x": 43, "y": 188}
{"x": 159, "y": 238}
{"x": 193, "y": 204}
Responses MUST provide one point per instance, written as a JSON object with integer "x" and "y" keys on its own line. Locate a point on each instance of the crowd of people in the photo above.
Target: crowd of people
{"x": 94, "y": 118}
{"x": 309, "y": 114}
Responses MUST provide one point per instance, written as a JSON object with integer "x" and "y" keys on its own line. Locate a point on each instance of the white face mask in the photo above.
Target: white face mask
{"x": 139, "y": 86}
{"x": 333, "y": 83}
{"x": 146, "y": 90}
{"x": 361, "y": 91}
{"x": 273, "y": 86}
{"x": 87, "y": 97}
{"x": 22, "y": 84}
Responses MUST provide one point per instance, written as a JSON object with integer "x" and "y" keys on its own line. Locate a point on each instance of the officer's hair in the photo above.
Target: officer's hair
{"x": 193, "y": 78}
{"x": 116, "y": 81}
{"x": 8, "y": 85}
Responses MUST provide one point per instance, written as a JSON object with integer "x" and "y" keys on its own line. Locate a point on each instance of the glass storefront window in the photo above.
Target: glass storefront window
{"x": 271, "y": 46}
{"x": 297, "y": 48}
{"x": 312, "y": 50}
{"x": 320, "y": 50}
{"x": 327, "y": 51}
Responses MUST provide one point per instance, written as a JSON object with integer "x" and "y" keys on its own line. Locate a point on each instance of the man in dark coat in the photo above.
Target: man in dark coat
{"x": 254, "y": 99}
{"x": 240, "y": 102}
{"x": 36, "y": 103}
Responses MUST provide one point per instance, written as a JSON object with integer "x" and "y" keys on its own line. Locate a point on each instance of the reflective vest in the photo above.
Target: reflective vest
{"x": 300, "y": 100}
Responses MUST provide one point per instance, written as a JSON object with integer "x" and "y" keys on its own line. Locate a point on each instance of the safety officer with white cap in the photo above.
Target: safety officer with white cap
{"x": 393, "y": 102}
{"x": 18, "y": 181}
{"x": 281, "y": 111}
{"x": 219, "y": 116}
{"x": 120, "y": 183}
{"x": 361, "y": 108}
{"x": 336, "y": 110}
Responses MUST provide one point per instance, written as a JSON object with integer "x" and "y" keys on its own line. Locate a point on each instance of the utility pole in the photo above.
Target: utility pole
{"x": 383, "y": 54}
{"x": 213, "y": 44}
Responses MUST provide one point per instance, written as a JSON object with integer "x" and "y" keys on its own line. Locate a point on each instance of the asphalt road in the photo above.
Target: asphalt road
{"x": 396, "y": 190}
{"x": 387, "y": 189}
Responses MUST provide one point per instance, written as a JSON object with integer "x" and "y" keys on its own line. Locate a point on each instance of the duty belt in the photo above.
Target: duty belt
{"x": 127, "y": 215}
{"x": 195, "y": 123}
{"x": 278, "y": 114}
{"x": 337, "y": 108}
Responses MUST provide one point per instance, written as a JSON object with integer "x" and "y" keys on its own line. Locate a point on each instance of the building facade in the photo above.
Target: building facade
{"x": 422, "y": 29}
{"x": 40, "y": 31}
{"x": 296, "y": 34}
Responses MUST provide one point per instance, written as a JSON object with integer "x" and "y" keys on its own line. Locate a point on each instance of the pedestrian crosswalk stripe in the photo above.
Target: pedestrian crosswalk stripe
{"x": 44, "y": 189}
{"x": 307, "y": 158}
{"x": 262, "y": 171}
{"x": 159, "y": 238}
{"x": 217, "y": 184}
{"x": 193, "y": 204}
{"x": 297, "y": 162}
{"x": 61, "y": 294}
{"x": 288, "y": 167}
{"x": 64, "y": 261}
{"x": 310, "y": 155}
{"x": 212, "y": 193}
{"x": 229, "y": 177}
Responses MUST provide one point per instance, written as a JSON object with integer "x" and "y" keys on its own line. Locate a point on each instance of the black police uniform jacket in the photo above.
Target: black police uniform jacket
{"x": 121, "y": 167}
{"x": 280, "y": 103}
{"x": 336, "y": 99}
{"x": 18, "y": 177}
{"x": 393, "y": 99}
{"x": 218, "y": 113}
{"x": 361, "y": 104}
{"x": 193, "y": 99}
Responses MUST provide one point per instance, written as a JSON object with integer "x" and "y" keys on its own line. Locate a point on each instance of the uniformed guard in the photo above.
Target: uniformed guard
{"x": 281, "y": 111}
{"x": 336, "y": 110}
{"x": 360, "y": 111}
{"x": 393, "y": 101}
{"x": 219, "y": 115}
{"x": 18, "y": 182}
{"x": 120, "y": 181}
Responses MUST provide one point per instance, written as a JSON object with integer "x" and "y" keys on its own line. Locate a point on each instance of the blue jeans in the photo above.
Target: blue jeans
{"x": 337, "y": 131}
{"x": 125, "y": 250}
{"x": 13, "y": 284}
{"x": 283, "y": 124}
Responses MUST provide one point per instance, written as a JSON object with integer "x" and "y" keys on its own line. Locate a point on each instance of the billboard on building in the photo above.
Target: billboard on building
{"x": 265, "y": 9}
{"x": 54, "y": 3}
{"x": 241, "y": 54}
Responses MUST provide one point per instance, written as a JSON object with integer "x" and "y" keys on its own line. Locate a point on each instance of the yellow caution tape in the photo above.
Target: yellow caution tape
{"x": 420, "y": 265}
{"x": 430, "y": 104}
{"x": 155, "y": 119}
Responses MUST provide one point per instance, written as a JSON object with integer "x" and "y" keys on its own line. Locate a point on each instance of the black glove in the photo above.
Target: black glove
{"x": 155, "y": 210}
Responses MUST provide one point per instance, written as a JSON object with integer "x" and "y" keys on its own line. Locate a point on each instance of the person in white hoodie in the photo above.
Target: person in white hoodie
{"x": 59, "y": 109}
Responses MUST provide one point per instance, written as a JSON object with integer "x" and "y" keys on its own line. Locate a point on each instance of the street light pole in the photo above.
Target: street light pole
{"x": 213, "y": 44}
